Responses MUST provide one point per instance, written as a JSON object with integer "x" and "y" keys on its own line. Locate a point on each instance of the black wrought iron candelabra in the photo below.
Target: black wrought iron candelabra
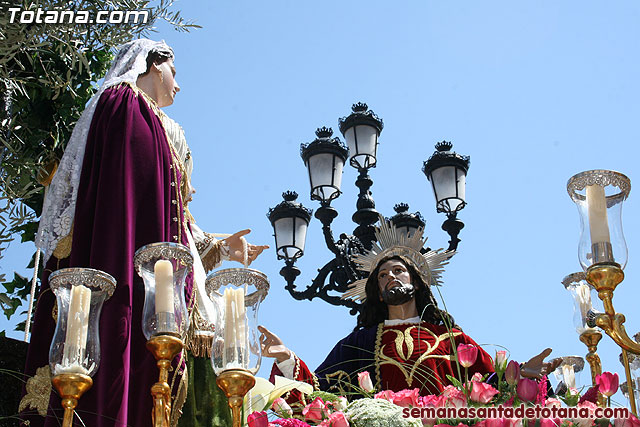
{"x": 325, "y": 158}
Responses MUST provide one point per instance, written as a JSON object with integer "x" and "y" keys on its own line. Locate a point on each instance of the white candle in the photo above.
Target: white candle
{"x": 77, "y": 325}
{"x": 597, "y": 207}
{"x": 229, "y": 327}
{"x": 584, "y": 299}
{"x": 569, "y": 376}
{"x": 163, "y": 274}
{"x": 240, "y": 315}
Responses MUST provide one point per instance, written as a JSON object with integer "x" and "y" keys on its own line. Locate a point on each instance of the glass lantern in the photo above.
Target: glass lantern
{"x": 568, "y": 370}
{"x": 447, "y": 170}
{"x": 405, "y": 222}
{"x": 237, "y": 294}
{"x": 290, "y": 221}
{"x": 585, "y": 300}
{"x": 324, "y": 159}
{"x": 599, "y": 195}
{"x": 80, "y": 293}
{"x": 164, "y": 267}
{"x": 361, "y": 129}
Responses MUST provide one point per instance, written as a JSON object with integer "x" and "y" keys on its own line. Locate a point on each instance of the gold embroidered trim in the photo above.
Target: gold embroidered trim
{"x": 296, "y": 373}
{"x": 180, "y": 395}
{"x": 376, "y": 354}
{"x": 202, "y": 245}
{"x": 63, "y": 248}
{"x": 406, "y": 338}
{"x": 213, "y": 256}
{"x": 180, "y": 398}
{"x": 316, "y": 383}
{"x": 38, "y": 392}
{"x": 200, "y": 334}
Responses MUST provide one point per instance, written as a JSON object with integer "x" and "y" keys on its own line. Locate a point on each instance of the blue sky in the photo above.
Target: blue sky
{"x": 534, "y": 92}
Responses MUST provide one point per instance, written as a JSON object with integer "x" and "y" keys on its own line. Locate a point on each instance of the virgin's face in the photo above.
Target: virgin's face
{"x": 392, "y": 273}
{"x": 166, "y": 84}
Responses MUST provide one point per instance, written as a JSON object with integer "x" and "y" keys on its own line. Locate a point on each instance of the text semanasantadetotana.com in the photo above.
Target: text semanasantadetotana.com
{"x": 518, "y": 412}
{"x": 40, "y": 16}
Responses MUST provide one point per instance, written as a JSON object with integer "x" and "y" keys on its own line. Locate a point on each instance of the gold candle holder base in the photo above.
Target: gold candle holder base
{"x": 605, "y": 278}
{"x": 71, "y": 387}
{"x": 236, "y": 383}
{"x": 591, "y": 340}
{"x": 164, "y": 349}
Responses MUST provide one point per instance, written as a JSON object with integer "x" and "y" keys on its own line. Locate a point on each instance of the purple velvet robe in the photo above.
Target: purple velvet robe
{"x": 124, "y": 202}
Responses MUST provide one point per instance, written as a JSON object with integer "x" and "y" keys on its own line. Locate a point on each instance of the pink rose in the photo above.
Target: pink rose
{"x": 258, "y": 419}
{"x": 552, "y": 402}
{"x": 501, "y": 361}
{"x": 512, "y": 374}
{"x": 385, "y": 394}
{"x": 632, "y": 421}
{"x": 467, "y": 354}
{"x": 586, "y": 422}
{"x": 407, "y": 398}
{"x": 282, "y": 408}
{"x": 430, "y": 401}
{"x": 336, "y": 419}
{"x": 477, "y": 377}
{"x": 453, "y": 398}
{"x": 548, "y": 422}
{"x": 315, "y": 411}
{"x": 365, "y": 381}
{"x": 527, "y": 389}
{"x": 482, "y": 392}
{"x": 607, "y": 383}
{"x": 497, "y": 422}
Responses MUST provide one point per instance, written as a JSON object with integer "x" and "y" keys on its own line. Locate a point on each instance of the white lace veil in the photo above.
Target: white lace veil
{"x": 60, "y": 201}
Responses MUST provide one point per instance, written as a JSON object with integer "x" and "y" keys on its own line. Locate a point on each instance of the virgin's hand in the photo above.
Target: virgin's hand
{"x": 236, "y": 247}
{"x": 536, "y": 367}
{"x": 272, "y": 345}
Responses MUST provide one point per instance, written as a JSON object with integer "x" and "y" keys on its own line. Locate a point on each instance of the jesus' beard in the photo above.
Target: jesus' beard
{"x": 399, "y": 295}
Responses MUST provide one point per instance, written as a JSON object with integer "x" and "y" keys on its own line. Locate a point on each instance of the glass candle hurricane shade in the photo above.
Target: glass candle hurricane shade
{"x": 237, "y": 294}
{"x": 164, "y": 267}
{"x": 80, "y": 293}
{"x": 585, "y": 300}
{"x": 599, "y": 195}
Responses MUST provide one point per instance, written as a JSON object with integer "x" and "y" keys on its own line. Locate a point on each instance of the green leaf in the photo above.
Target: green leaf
{"x": 454, "y": 381}
{"x": 4, "y": 299}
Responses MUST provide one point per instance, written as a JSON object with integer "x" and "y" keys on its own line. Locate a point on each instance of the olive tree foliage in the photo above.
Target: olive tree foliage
{"x": 48, "y": 72}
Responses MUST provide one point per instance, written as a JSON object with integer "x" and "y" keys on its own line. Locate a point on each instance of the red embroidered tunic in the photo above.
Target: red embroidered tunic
{"x": 398, "y": 357}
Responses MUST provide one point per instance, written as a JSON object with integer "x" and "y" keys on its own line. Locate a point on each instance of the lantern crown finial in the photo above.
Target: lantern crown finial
{"x": 444, "y": 146}
{"x": 290, "y": 196}
{"x": 359, "y": 107}
{"x": 360, "y": 115}
{"x": 403, "y": 218}
{"x": 401, "y": 207}
{"x": 289, "y": 207}
{"x": 324, "y": 132}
